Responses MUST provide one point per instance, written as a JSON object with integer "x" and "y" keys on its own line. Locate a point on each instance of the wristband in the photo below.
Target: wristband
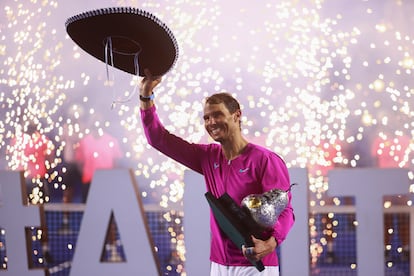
{"x": 146, "y": 98}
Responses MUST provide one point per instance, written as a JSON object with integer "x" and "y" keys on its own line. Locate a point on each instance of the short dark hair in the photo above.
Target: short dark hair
{"x": 229, "y": 101}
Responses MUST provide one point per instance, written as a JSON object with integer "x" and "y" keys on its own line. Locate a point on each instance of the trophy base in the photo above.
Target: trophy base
{"x": 236, "y": 223}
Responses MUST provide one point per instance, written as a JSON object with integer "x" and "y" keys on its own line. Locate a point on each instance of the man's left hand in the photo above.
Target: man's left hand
{"x": 260, "y": 249}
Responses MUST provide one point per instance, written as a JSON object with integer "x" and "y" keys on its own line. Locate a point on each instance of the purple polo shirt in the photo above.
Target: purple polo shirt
{"x": 255, "y": 171}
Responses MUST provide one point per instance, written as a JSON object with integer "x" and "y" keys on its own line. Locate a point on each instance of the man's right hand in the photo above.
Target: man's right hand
{"x": 148, "y": 83}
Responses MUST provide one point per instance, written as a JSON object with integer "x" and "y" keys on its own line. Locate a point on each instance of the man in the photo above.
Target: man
{"x": 232, "y": 165}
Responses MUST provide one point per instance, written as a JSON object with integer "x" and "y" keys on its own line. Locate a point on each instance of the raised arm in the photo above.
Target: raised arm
{"x": 158, "y": 136}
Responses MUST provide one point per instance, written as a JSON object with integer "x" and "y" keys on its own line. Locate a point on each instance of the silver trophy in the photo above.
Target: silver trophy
{"x": 256, "y": 216}
{"x": 265, "y": 208}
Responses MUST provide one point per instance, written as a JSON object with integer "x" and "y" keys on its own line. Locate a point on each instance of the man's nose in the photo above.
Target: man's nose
{"x": 210, "y": 121}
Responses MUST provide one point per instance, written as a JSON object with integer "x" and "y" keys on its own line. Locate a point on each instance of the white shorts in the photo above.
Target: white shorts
{"x": 223, "y": 270}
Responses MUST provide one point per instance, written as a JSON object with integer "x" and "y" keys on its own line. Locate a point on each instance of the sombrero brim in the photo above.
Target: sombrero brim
{"x": 136, "y": 38}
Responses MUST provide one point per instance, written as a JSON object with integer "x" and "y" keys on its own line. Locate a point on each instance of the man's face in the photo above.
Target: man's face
{"x": 219, "y": 123}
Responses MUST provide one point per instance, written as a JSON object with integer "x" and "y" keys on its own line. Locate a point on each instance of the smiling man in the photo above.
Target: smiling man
{"x": 233, "y": 166}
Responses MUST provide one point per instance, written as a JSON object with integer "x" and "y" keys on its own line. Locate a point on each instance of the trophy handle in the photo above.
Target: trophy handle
{"x": 290, "y": 187}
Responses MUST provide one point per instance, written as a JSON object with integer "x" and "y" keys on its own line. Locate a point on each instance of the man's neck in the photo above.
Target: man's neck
{"x": 232, "y": 149}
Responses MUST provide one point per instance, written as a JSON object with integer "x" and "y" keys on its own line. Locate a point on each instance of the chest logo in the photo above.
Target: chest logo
{"x": 243, "y": 170}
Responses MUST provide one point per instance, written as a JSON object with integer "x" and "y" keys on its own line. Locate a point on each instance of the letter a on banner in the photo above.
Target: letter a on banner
{"x": 114, "y": 192}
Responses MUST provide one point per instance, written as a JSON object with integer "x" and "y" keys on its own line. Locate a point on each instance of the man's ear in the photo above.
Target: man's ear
{"x": 237, "y": 115}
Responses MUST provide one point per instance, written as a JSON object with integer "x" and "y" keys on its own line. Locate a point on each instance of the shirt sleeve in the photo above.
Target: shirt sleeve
{"x": 173, "y": 146}
{"x": 276, "y": 176}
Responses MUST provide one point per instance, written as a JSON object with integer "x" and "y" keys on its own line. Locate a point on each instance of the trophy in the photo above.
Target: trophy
{"x": 265, "y": 208}
{"x": 256, "y": 216}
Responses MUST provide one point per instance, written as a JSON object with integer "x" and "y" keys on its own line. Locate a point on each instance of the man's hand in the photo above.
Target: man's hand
{"x": 148, "y": 83}
{"x": 260, "y": 248}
